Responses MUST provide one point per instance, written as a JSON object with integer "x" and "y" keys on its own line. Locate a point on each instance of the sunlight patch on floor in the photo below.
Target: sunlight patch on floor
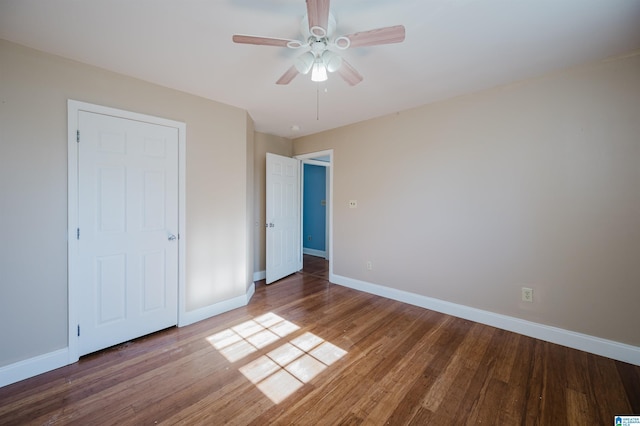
{"x": 241, "y": 340}
{"x": 281, "y": 372}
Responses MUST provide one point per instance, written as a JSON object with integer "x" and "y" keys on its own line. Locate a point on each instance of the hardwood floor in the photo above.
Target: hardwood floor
{"x": 308, "y": 352}
{"x": 316, "y": 266}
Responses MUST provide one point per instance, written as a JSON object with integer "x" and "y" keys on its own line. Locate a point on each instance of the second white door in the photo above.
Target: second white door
{"x": 284, "y": 256}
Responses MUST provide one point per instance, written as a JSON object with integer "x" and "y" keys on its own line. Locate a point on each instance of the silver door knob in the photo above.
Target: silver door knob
{"x": 171, "y": 237}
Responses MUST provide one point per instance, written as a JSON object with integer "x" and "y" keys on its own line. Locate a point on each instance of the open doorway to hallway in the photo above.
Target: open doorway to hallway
{"x": 317, "y": 217}
{"x": 314, "y": 207}
{"x": 316, "y": 266}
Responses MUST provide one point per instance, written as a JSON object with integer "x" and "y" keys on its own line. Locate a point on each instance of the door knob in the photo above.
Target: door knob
{"x": 171, "y": 237}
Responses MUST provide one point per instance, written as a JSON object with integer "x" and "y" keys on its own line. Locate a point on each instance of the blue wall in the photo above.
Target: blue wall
{"x": 315, "y": 214}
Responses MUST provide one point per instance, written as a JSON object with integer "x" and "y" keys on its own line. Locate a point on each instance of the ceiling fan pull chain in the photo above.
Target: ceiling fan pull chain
{"x": 317, "y": 101}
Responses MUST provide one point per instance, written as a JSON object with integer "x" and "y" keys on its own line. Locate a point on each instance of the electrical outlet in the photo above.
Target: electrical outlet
{"x": 369, "y": 265}
{"x": 353, "y": 204}
{"x": 527, "y": 294}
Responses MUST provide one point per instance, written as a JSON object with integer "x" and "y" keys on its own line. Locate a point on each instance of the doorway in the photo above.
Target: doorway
{"x": 321, "y": 159}
{"x": 314, "y": 206}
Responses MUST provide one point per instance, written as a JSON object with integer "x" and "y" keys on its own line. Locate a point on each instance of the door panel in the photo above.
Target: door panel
{"x": 153, "y": 281}
{"x": 283, "y": 217}
{"x": 128, "y": 209}
{"x": 111, "y": 291}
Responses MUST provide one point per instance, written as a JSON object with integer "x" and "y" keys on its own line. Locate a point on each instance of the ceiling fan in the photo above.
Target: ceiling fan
{"x": 320, "y": 47}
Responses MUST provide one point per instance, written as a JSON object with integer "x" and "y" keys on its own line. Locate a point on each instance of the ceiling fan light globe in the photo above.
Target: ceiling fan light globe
{"x": 332, "y": 61}
{"x": 304, "y": 62}
{"x": 319, "y": 72}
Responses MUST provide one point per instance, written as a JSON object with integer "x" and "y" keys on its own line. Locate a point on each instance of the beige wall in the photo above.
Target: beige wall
{"x": 535, "y": 184}
{"x": 276, "y": 145}
{"x": 34, "y": 88}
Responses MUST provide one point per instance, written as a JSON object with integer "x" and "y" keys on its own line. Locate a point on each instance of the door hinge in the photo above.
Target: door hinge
{"x": 78, "y": 330}
{"x": 78, "y": 136}
{"x": 78, "y": 233}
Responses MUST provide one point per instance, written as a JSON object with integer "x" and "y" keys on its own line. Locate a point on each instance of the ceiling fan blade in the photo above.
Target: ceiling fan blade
{"x": 318, "y": 13}
{"x": 261, "y": 41}
{"x": 386, "y": 35}
{"x": 289, "y": 75}
{"x": 349, "y": 73}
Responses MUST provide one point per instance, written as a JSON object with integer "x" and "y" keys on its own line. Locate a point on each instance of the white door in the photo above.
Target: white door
{"x": 127, "y": 216}
{"x": 283, "y": 217}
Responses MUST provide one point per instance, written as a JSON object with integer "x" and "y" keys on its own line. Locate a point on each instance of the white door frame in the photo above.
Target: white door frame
{"x": 309, "y": 159}
{"x": 73, "y": 109}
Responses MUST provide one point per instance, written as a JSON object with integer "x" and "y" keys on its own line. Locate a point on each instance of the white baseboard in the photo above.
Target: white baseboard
{"x": 24, "y": 369}
{"x": 250, "y": 292}
{"x": 314, "y": 252}
{"x": 260, "y": 275}
{"x": 31, "y": 367}
{"x": 217, "y": 308}
{"x": 572, "y": 339}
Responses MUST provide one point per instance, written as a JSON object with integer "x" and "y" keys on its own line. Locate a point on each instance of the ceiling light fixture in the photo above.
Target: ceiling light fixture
{"x": 319, "y": 61}
{"x": 304, "y": 62}
{"x": 331, "y": 60}
{"x": 319, "y": 71}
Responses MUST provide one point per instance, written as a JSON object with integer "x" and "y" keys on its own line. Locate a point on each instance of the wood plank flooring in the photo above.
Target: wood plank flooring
{"x": 308, "y": 352}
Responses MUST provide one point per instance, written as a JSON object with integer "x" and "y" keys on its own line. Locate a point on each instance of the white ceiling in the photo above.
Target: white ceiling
{"x": 452, "y": 47}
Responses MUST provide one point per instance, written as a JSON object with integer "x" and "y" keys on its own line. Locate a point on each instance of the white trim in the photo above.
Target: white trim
{"x": 73, "y": 109}
{"x": 218, "y": 308}
{"x": 31, "y": 367}
{"x": 328, "y": 206}
{"x": 311, "y": 155}
{"x": 72, "y": 223}
{"x": 572, "y": 339}
{"x": 315, "y": 162}
{"x": 314, "y": 252}
{"x": 259, "y": 275}
{"x": 24, "y": 369}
